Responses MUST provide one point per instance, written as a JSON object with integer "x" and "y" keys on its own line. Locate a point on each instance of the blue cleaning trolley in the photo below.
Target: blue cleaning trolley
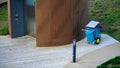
{"x": 92, "y": 32}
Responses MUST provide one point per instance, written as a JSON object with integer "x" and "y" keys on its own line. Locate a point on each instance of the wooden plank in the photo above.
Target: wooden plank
{"x": 9, "y": 18}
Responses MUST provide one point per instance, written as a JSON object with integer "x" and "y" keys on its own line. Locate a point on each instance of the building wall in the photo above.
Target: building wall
{"x": 58, "y": 22}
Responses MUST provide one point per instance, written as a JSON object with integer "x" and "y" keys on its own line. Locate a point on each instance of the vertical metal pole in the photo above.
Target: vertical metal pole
{"x": 74, "y": 50}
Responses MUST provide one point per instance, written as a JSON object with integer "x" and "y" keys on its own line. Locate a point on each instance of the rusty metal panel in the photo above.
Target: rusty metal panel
{"x": 79, "y": 14}
{"x": 58, "y": 22}
{"x": 61, "y": 25}
{"x": 42, "y": 12}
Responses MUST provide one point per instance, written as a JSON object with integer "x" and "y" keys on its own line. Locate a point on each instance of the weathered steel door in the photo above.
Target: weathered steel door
{"x": 17, "y": 18}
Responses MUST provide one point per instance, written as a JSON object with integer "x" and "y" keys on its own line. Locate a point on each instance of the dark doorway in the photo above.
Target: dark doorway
{"x": 30, "y": 17}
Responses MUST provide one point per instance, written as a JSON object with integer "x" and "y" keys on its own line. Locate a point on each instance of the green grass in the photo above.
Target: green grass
{"x": 3, "y": 20}
{"x": 113, "y": 63}
{"x": 4, "y": 29}
{"x": 107, "y": 12}
{"x": 4, "y": 13}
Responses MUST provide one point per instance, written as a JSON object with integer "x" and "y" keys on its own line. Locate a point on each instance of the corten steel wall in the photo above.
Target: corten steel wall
{"x": 58, "y": 22}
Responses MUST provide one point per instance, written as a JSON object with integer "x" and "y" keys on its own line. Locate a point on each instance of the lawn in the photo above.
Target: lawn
{"x": 3, "y": 20}
{"x": 113, "y": 63}
{"x": 108, "y": 13}
{"x": 3, "y": 13}
{"x": 4, "y": 29}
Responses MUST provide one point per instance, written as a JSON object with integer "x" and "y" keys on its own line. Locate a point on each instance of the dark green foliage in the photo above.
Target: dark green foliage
{"x": 113, "y": 63}
{"x": 115, "y": 67}
{"x": 102, "y": 66}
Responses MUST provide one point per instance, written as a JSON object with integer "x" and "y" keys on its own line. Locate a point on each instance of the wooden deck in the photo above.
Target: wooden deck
{"x": 23, "y": 53}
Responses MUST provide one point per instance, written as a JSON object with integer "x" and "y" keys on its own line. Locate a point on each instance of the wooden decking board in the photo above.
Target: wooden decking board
{"x": 23, "y": 53}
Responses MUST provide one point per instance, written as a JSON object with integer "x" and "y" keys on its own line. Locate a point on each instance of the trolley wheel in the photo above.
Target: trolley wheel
{"x": 97, "y": 41}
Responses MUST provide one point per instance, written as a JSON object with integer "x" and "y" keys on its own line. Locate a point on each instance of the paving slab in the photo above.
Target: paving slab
{"x": 22, "y": 52}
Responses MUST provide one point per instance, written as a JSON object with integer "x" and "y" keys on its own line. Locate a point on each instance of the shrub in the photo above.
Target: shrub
{"x": 113, "y": 63}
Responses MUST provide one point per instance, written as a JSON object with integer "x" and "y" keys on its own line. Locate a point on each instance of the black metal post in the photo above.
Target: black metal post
{"x": 74, "y": 50}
